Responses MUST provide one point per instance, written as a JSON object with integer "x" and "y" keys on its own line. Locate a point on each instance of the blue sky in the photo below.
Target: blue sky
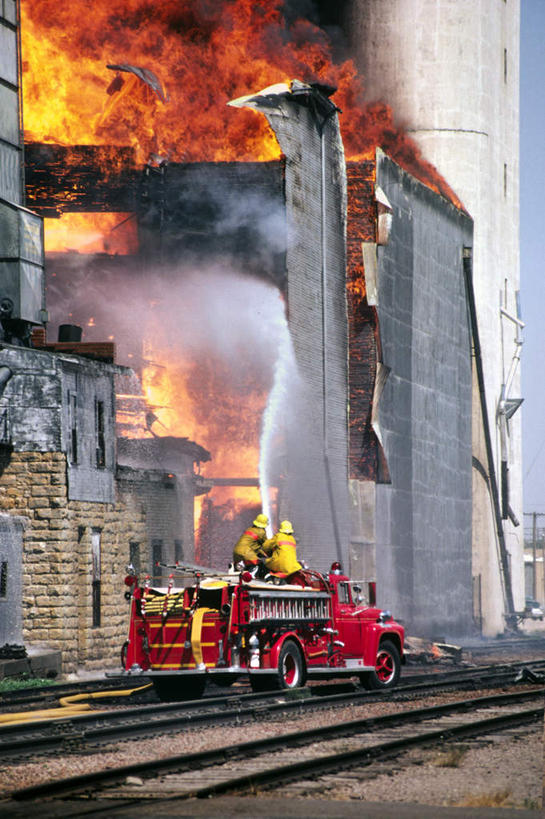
{"x": 532, "y": 249}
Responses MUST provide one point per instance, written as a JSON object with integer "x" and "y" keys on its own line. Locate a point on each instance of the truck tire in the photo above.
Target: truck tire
{"x": 291, "y": 667}
{"x": 290, "y": 672}
{"x": 176, "y": 689}
{"x": 387, "y": 668}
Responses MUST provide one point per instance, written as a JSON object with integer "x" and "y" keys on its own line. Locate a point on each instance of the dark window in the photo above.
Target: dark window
{"x": 72, "y": 409}
{"x": 99, "y": 434}
{"x": 3, "y": 579}
{"x": 134, "y": 556}
{"x": 96, "y": 603}
{"x": 178, "y": 551}
{"x": 157, "y": 551}
{"x": 96, "y": 557}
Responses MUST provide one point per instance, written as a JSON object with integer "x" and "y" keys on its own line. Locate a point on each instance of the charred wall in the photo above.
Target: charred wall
{"x": 362, "y": 321}
{"x": 423, "y": 517}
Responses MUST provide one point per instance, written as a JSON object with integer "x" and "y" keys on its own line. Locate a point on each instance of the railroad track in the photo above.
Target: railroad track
{"x": 76, "y": 733}
{"x": 40, "y": 696}
{"x": 304, "y": 754}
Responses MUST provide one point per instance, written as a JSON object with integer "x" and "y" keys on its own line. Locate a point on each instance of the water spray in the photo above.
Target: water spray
{"x": 272, "y": 422}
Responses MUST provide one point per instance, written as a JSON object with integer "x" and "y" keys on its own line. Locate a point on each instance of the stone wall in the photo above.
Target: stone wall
{"x": 57, "y": 560}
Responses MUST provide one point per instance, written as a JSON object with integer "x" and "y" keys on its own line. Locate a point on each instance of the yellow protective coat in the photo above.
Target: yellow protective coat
{"x": 284, "y": 557}
{"x": 249, "y": 544}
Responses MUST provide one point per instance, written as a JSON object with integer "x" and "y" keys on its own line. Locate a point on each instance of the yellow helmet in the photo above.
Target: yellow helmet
{"x": 286, "y": 528}
{"x": 261, "y": 521}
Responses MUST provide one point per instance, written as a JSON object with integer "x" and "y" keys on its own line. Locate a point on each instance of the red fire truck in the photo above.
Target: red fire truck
{"x": 221, "y": 627}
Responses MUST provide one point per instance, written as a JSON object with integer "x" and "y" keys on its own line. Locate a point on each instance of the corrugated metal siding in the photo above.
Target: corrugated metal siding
{"x": 424, "y": 518}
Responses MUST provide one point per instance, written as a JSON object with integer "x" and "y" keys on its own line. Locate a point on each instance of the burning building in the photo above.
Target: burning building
{"x": 298, "y": 320}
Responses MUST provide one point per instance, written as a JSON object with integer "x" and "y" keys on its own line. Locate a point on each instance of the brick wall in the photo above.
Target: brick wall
{"x": 57, "y": 560}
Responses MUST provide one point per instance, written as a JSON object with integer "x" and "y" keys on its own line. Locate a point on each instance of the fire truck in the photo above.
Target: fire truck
{"x": 222, "y": 627}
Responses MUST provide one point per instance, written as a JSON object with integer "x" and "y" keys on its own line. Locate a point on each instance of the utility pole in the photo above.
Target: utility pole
{"x": 534, "y": 546}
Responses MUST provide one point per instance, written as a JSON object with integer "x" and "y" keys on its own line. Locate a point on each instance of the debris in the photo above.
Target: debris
{"x": 143, "y": 74}
{"x": 527, "y": 675}
{"x": 418, "y": 650}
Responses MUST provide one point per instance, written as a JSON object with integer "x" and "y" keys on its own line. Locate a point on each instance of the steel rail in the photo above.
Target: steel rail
{"x": 196, "y": 761}
{"x": 45, "y": 693}
{"x": 40, "y": 737}
{"x": 361, "y": 756}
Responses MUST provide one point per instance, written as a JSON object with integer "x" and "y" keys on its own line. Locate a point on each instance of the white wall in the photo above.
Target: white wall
{"x": 450, "y": 71}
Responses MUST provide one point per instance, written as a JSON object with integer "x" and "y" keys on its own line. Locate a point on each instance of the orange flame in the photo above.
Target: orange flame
{"x": 181, "y": 61}
{"x": 192, "y": 398}
{"x": 112, "y": 233}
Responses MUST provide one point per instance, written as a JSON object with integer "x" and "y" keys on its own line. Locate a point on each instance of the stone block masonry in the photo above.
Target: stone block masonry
{"x": 58, "y": 560}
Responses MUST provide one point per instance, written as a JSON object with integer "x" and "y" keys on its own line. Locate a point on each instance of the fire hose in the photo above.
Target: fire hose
{"x": 70, "y": 706}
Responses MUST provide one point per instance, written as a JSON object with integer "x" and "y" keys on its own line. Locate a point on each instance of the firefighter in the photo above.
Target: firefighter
{"x": 283, "y": 557}
{"x": 249, "y": 546}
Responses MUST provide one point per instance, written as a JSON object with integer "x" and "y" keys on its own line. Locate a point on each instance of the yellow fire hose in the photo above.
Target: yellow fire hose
{"x": 70, "y": 706}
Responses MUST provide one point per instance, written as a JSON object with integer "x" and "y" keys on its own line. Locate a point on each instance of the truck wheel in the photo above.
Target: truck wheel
{"x": 176, "y": 689}
{"x": 290, "y": 672}
{"x": 387, "y": 668}
{"x": 291, "y": 668}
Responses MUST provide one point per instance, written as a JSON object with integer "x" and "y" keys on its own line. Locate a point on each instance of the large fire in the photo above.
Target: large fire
{"x": 157, "y": 76}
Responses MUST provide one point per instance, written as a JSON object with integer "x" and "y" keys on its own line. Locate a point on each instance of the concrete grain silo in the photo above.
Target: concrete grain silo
{"x": 449, "y": 69}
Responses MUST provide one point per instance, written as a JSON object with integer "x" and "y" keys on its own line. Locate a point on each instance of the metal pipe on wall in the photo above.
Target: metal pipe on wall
{"x": 504, "y": 558}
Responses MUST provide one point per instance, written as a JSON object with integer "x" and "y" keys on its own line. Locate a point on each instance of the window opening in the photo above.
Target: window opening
{"x": 72, "y": 409}
{"x": 134, "y": 556}
{"x": 100, "y": 439}
{"x": 4, "y": 579}
{"x": 96, "y": 558}
{"x": 156, "y": 557}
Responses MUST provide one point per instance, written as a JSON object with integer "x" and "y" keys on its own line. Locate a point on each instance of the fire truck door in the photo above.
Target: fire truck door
{"x": 348, "y": 623}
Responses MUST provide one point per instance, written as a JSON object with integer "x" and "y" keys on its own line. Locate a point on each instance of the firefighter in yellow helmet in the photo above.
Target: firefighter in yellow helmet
{"x": 282, "y": 547}
{"x": 249, "y": 546}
